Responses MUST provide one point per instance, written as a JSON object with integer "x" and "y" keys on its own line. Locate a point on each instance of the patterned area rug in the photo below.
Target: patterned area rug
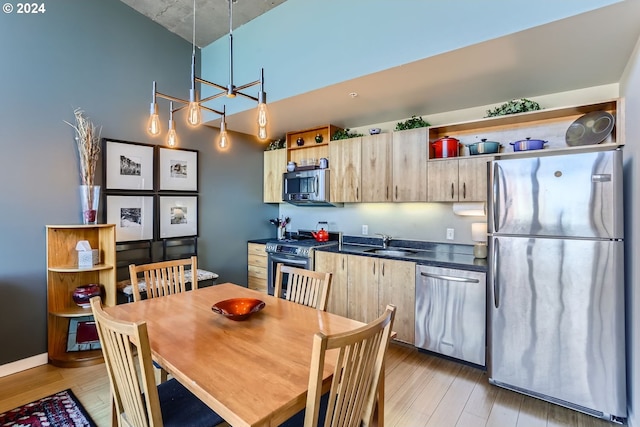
{"x": 58, "y": 410}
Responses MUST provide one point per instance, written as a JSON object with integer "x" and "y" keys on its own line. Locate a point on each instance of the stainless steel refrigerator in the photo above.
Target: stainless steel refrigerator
{"x": 556, "y": 281}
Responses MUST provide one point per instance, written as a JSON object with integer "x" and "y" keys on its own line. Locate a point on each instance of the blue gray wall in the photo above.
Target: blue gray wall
{"x": 102, "y": 56}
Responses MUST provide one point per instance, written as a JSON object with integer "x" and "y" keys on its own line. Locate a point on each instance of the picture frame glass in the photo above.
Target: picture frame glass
{"x": 178, "y": 169}
{"x": 133, "y": 216}
{"x": 178, "y": 216}
{"x": 128, "y": 166}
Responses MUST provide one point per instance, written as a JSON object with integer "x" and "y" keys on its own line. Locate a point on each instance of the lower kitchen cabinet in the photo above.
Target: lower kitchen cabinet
{"x": 257, "y": 267}
{"x": 337, "y": 265}
{"x": 363, "y": 286}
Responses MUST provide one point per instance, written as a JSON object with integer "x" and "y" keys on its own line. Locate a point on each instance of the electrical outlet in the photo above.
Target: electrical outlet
{"x": 365, "y": 230}
{"x": 450, "y": 234}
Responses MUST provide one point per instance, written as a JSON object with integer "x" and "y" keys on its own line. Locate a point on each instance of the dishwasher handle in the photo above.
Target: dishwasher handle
{"x": 449, "y": 278}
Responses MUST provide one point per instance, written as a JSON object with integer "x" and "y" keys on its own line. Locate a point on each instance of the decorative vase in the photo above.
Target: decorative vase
{"x": 300, "y": 142}
{"x": 82, "y": 294}
{"x": 89, "y": 201}
{"x": 319, "y": 138}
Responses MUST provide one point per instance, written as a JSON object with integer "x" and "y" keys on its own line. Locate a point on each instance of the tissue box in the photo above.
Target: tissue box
{"x": 87, "y": 257}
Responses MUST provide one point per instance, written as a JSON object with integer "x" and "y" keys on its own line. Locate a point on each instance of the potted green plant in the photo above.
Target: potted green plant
{"x": 514, "y": 106}
{"x": 412, "y": 123}
{"x": 344, "y": 134}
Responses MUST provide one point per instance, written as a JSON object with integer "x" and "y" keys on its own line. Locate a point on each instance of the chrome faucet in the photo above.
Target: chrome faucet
{"x": 385, "y": 240}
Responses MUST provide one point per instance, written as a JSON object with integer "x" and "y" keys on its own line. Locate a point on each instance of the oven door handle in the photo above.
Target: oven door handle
{"x": 289, "y": 260}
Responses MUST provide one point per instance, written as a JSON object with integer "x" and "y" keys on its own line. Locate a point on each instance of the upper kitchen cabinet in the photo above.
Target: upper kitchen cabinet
{"x": 550, "y": 125}
{"x": 275, "y": 164}
{"x": 410, "y": 165}
{"x": 376, "y": 168}
{"x": 458, "y": 179}
{"x": 345, "y": 159}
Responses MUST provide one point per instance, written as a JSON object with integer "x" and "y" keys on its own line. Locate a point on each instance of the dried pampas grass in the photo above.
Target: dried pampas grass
{"x": 88, "y": 140}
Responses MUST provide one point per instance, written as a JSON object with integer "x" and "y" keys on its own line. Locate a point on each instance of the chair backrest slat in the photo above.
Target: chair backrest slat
{"x": 306, "y": 287}
{"x": 127, "y": 356}
{"x": 162, "y": 278}
{"x": 357, "y": 373}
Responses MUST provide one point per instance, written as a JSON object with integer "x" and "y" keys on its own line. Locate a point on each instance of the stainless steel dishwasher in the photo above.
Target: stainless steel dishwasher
{"x": 451, "y": 313}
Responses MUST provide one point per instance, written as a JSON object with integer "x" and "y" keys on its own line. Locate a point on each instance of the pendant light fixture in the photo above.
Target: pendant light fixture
{"x": 195, "y": 105}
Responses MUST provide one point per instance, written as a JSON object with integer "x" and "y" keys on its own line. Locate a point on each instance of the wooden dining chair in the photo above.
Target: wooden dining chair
{"x": 307, "y": 287}
{"x": 161, "y": 278}
{"x": 136, "y": 400}
{"x": 356, "y": 378}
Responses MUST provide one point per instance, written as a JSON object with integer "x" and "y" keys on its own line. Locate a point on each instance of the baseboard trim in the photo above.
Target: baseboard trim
{"x": 23, "y": 364}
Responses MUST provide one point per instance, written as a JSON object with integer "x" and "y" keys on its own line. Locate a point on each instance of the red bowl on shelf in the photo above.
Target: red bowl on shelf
{"x": 82, "y": 294}
{"x": 238, "y": 308}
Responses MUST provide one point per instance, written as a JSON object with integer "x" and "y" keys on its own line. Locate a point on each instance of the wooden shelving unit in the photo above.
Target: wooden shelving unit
{"x": 63, "y": 276}
{"x": 310, "y": 149}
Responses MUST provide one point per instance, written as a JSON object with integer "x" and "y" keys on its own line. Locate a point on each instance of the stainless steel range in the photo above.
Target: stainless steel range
{"x": 298, "y": 251}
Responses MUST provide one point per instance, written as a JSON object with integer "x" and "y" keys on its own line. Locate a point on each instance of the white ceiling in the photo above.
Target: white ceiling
{"x": 586, "y": 50}
{"x": 212, "y": 16}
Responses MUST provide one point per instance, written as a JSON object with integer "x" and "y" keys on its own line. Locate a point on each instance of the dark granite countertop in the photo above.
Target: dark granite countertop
{"x": 424, "y": 253}
{"x": 262, "y": 241}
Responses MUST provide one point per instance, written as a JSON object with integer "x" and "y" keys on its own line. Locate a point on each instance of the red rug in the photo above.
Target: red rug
{"x": 58, "y": 410}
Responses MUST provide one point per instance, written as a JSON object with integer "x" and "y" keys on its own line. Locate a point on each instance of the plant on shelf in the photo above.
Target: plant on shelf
{"x": 412, "y": 123}
{"x": 513, "y": 107}
{"x": 88, "y": 143}
{"x": 277, "y": 144}
{"x": 344, "y": 134}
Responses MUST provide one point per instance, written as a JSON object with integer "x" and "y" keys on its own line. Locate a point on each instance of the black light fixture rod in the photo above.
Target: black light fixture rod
{"x": 218, "y": 112}
{"x": 247, "y": 96}
{"x": 231, "y": 88}
{"x": 239, "y": 88}
{"x": 171, "y": 98}
{"x": 217, "y": 95}
{"x": 199, "y": 80}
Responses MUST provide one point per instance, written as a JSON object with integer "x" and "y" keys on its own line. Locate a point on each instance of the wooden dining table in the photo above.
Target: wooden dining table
{"x": 253, "y": 372}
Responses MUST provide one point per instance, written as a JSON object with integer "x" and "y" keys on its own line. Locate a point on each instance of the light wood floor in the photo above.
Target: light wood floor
{"x": 421, "y": 390}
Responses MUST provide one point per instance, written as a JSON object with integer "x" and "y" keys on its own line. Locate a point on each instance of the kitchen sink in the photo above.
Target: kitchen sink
{"x": 391, "y": 252}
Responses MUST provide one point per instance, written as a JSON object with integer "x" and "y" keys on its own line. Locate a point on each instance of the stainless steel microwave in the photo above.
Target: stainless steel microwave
{"x": 307, "y": 188}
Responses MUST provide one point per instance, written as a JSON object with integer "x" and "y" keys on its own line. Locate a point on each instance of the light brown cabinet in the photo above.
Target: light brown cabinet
{"x": 376, "y": 165}
{"x": 363, "y": 286}
{"x": 337, "y": 264}
{"x": 345, "y": 164}
{"x": 257, "y": 267}
{"x": 63, "y": 276}
{"x": 275, "y": 164}
{"x": 410, "y": 157}
{"x": 458, "y": 180}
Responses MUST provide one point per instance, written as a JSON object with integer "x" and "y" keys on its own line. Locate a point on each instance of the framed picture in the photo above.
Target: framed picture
{"x": 178, "y": 216}
{"x": 178, "y": 169}
{"x": 83, "y": 334}
{"x": 132, "y": 215}
{"x": 128, "y": 165}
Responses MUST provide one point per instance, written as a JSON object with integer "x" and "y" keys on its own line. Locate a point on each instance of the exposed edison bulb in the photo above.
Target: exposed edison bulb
{"x": 223, "y": 140}
{"x": 193, "y": 115}
{"x": 153, "y": 127}
{"x": 172, "y": 138}
{"x": 262, "y": 133}
{"x": 262, "y": 115}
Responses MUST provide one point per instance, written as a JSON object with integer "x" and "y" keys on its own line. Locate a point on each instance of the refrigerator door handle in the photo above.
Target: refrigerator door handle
{"x": 495, "y": 205}
{"x": 494, "y": 275}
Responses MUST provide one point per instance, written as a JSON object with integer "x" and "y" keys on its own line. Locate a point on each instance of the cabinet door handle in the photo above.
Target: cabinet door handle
{"x": 357, "y": 194}
{"x": 396, "y": 192}
{"x": 464, "y": 190}
{"x": 452, "y": 190}
{"x": 386, "y": 197}
{"x": 383, "y": 269}
{"x": 374, "y": 269}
